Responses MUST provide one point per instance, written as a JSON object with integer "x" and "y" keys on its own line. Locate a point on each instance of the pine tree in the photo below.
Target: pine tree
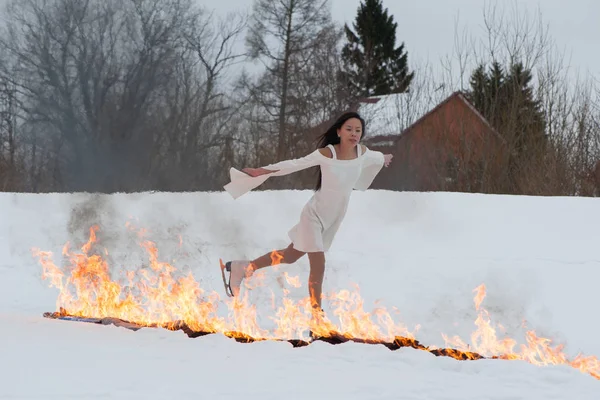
{"x": 488, "y": 91}
{"x": 529, "y": 119}
{"x": 373, "y": 64}
{"x": 506, "y": 99}
{"x": 479, "y": 89}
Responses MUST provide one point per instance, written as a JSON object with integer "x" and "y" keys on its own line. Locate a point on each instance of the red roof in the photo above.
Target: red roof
{"x": 456, "y": 95}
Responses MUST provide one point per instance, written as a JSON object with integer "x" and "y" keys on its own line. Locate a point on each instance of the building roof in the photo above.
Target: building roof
{"x": 392, "y": 114}
{"x": 389, "y": 117}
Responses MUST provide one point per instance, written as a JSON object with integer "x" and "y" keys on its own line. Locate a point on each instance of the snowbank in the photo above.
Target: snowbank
{"x": 422, "y": 253}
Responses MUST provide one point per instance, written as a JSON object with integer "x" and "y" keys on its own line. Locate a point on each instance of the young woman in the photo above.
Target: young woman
{"x": 345, "y": 165}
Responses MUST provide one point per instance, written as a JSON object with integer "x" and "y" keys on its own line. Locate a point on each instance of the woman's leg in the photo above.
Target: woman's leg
{"x": 240, "y": 269}
{"x": 288, "y": 255}
{"x": 315, "y": 278}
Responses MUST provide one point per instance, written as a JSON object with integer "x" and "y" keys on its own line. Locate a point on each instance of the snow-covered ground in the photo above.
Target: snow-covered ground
{"x": 419, "y": 255}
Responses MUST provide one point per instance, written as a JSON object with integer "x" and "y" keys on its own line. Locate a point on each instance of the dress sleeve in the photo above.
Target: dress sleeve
{"x": 242, "y": 183}
{"x": 371, "y": 166}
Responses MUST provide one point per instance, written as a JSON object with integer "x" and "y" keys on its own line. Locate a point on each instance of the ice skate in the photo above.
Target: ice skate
{"x": 238, "y": 270}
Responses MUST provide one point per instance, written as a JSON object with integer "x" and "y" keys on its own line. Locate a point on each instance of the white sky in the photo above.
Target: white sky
{"x": 427, "y": 27}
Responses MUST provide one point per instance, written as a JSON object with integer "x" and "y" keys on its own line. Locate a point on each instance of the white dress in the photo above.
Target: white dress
{"x": 322, "y": 215}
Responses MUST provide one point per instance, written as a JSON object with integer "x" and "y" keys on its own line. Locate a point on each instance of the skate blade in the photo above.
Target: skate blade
{"x": 225, "y": 283}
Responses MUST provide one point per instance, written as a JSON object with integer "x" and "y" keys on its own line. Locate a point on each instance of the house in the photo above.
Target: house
{"x": 450, "y": 147}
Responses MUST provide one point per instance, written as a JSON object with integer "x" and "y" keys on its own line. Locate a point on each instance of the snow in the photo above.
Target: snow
{"x": 392, "y": 114}
{"x": 423, "y": 253}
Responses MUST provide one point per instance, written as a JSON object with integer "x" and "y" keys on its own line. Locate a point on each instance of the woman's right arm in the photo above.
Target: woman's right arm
{"x": 250, "y": 178}
{"x": 286, "y": 167}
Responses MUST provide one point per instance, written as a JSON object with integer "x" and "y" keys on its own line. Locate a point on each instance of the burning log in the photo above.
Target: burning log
{"x": 156, "y": 298}
{"x": 335, "y": 338}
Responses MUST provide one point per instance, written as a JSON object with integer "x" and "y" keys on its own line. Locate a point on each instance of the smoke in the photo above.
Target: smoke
{"x": 97, "y": 210}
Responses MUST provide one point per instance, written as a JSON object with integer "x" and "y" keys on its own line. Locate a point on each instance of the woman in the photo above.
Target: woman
{"x": 345, "y": 165}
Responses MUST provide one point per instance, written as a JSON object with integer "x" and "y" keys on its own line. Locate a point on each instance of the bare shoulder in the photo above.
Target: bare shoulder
{"x": 326, "y": 152}
{"x": 363, "y": 148}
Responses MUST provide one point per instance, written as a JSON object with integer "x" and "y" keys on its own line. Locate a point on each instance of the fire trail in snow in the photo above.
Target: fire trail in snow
{"x": 333, "y": 338}
{"x": 158, "y": 296}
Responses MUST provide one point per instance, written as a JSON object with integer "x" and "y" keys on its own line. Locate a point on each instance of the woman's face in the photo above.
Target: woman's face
{"x": 351, "y": 132}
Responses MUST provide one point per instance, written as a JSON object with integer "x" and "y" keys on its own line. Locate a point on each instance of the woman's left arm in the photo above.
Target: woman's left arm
{"x": 372, "y": 164}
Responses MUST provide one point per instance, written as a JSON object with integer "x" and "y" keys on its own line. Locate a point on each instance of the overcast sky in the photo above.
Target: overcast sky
{"x": 427, "y": 27}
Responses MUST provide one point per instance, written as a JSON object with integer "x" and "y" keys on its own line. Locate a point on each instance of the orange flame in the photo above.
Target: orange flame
{"x": 538, "y": 351}
{"x": 276, "y": 258}
{"x": 160, "y": 296}
{"x": 293, "y": 281}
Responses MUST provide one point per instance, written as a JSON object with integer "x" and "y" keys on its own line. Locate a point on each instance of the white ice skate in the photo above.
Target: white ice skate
{"x": 238, "y": 270}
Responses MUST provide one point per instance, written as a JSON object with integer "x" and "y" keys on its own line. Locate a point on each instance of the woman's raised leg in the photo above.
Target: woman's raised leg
{"x": 288, "y": 255}
{"x": 241, "y": 269}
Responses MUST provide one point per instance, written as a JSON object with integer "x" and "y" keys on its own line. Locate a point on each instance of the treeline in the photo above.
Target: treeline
{"x": 548, "y": 117}
{"x": 132, "y": 95}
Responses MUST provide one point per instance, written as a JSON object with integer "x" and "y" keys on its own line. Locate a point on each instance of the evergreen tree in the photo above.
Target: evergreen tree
{"x": 529, "y": 122}
{"x": 488, "y": 91}
{"x": 373, "y": 64}
{"x": 507, "y": 100}
{"x": 479, "y": 89}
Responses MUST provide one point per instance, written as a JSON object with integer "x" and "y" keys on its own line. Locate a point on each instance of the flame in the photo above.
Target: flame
{"x": 536, "y": 350}
{"x": 159, "y": 295}
{"x": 293, "y": 281}
{"x": 276, "y": 258}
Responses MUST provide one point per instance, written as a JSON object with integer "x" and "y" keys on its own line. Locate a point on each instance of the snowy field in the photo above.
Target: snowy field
{"x": 418, "y": 255}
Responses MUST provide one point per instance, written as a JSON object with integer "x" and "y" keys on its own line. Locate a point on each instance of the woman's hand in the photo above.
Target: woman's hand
{"x": 253, "y": 172}
{"x": 387, "y": 159}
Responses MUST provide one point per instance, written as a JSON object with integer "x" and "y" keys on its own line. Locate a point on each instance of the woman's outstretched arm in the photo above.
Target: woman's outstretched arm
{"x": 286, "y": 167}
{"x": 250, "y": 178}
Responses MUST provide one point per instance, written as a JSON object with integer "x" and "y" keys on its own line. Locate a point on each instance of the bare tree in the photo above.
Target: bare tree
{"x": 198, "y": 108}
{"x": 89, "y": 72}
{"x": 121, "y": 95}
{"x": 318, "y": 93}
{"x": 281, "y": 34}
{"x": 8, "y": 136}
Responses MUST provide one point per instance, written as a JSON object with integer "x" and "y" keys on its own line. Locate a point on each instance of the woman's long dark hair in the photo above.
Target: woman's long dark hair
{"x": 331, "y": 136}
